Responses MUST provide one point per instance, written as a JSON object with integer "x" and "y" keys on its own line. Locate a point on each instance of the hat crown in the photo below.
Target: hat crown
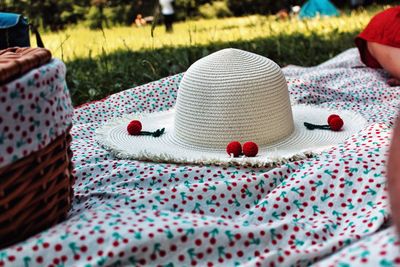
{"x": 232, "y": 95}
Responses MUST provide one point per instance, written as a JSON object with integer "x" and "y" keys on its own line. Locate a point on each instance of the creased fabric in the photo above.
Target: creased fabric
{"x": 327, "y": 210}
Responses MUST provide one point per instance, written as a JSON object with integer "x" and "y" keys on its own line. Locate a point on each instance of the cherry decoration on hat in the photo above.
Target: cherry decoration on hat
{"x": 234, "y": 148}
{"x": 335, "y": 123}
{"x": 198, "y": 131}
{"x": 331, "y": 117}
{"x": 135, "y": 128}
{"x": 250, "y": 149}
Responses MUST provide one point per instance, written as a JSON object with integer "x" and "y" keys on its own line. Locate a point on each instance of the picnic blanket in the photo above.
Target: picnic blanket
{"x": 330, "y": 210}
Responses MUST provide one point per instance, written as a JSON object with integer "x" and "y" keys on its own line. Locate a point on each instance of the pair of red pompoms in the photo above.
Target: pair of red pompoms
{"x": 250, "y": 149}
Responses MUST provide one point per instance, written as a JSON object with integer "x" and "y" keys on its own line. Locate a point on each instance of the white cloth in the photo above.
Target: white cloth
{"x": 329, "y": 211}
{"x": 166, "y": 7}
{"x": 34, "y": 110}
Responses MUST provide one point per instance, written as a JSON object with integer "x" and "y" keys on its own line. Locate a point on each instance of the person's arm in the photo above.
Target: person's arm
{"x": 387, "y": 56}
{"x": 393, "y": 175}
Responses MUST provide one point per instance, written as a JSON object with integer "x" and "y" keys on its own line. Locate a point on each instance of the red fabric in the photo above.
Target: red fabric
{"x": 384, "y": 28}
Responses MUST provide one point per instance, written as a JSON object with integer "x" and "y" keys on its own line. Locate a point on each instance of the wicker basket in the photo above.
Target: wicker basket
{"x": 16, "y": 61}
{"x": 35, "y": 182}
{"x": 36, "y": 191}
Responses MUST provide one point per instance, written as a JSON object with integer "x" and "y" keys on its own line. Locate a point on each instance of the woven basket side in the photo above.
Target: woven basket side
{"x": 36, "y": 191}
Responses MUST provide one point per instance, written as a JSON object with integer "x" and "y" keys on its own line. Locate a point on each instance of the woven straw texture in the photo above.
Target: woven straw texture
{"x": 36, "y": 192}
{"x": 233, "y": 95}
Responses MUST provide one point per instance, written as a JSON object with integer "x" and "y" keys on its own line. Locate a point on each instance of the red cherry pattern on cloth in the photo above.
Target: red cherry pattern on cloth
{"x": 324, "y": 210}
{"x": 358, "y": 254}
{"x": 128, "y": 217}
{"x": 34, "y": 110}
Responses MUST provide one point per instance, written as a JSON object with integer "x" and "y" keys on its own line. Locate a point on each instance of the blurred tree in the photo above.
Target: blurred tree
{"x": 47, "y": 13}
{"x": 243, "y": 7}
{"x": 96, "y": 16}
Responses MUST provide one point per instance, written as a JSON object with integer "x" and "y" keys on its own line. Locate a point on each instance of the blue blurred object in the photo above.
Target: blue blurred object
{"x": 8, "y": 20}
{"x": 14, "y": 30}
{"x": 313, "y": 8}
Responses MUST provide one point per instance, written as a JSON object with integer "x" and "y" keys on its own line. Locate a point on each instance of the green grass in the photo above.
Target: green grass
{"x": 104, "y": 62}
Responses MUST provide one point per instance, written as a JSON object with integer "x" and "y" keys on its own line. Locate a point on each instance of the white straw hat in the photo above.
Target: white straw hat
{"x": 230, "y": 95}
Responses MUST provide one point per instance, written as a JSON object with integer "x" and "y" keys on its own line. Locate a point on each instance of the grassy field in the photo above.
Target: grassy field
{"x": 104, "y": 62}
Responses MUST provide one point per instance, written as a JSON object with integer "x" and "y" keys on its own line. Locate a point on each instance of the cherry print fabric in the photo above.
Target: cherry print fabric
{"x": 34, "y": 110}
{"x": 331, "y": 210}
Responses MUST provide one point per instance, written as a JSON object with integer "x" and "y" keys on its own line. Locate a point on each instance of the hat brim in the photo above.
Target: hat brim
{"x": 302, "y": 143}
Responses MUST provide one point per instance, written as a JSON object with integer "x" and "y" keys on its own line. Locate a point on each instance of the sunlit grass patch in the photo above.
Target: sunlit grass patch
{"x": 104, "y": 62}
{"x": 81, "y": 42}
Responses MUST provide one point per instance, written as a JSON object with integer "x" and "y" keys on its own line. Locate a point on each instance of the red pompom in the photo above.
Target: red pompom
{"x": 134, "y": 127}
{"x": 331, "y": 117}
{"x": 250, "y": 149}
{"x": 234, "y": 148}
{"x": 336, "y": 124}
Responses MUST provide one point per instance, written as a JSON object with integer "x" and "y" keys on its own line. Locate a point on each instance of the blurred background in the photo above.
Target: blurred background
{"x": 112, "y": 45}
{"x": 59, "y": 14}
